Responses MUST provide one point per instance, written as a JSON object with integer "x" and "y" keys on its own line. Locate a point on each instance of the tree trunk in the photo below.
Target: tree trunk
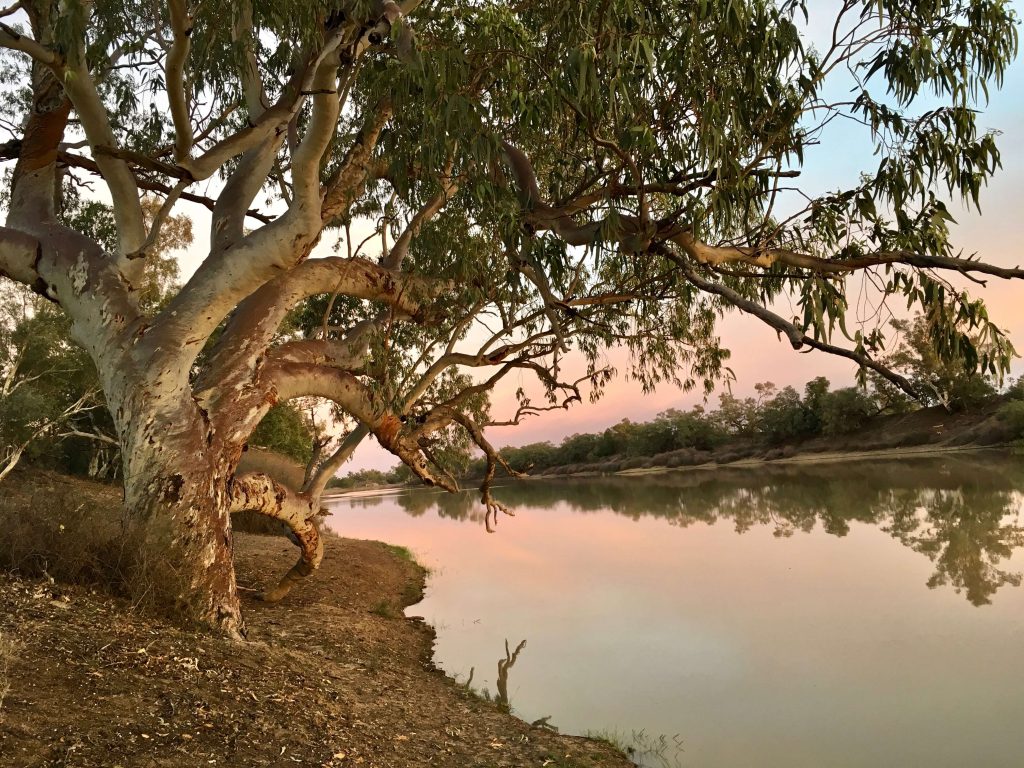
{"x": 176, "y": 478}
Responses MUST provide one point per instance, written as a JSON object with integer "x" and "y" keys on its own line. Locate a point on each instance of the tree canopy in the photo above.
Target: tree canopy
{"x": 502, "y": 183}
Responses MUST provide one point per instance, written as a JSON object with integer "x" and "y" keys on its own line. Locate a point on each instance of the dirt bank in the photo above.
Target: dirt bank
{"x": 333, "y": 676}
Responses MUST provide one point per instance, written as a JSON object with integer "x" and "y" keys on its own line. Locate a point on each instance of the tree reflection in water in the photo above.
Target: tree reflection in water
{"x": 962, "y": 513}
{"x": 504, "y": 665}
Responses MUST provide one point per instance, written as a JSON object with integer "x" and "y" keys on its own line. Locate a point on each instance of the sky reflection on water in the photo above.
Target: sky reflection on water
{"x": 833, "y": 615}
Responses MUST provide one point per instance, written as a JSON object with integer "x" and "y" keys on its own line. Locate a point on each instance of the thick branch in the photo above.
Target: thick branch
{"x": 288, "y": 381}
{"x": 252, "y": 83}
{"x": 329, "y": 468}
{"x": 262, "y": 494}
{"x": 254, "y": 324}
{"x": 117, "y": 174}
{"x": 11, "y": 38}
{"x": 174, "y": 69}
{"x": 19, "y": 255}
{"x": 346, "y": 184}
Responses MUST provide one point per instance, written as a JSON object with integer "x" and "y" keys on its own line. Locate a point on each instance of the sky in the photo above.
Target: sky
{"x": 757, "y": 353}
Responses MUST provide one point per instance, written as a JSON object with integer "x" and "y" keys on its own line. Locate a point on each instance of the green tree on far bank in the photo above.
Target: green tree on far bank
{"x": 954, "y": 378}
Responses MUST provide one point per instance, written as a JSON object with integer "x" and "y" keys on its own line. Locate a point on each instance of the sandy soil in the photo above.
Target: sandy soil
{"x": 333, "y": 676}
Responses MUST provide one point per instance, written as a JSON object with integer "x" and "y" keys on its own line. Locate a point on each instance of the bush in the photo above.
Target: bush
{"x": 993, "y": 432}
{"x": 1012, "y": 415}
{"x": 682, "y": 458}
{"x": 1015, "y": 389}
{"x": 784, "y": 417}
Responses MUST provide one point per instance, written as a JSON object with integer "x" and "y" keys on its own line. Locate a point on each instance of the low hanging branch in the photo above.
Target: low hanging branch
{"x": 263, "y": 495}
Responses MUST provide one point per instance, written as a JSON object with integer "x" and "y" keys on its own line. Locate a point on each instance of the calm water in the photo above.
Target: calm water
{"x": 857, "y": 614}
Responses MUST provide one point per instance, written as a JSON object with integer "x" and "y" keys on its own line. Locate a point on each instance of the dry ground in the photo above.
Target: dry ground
{"x": 325, "y": 680}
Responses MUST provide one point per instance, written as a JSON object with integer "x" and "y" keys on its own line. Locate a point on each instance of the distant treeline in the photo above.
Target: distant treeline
{"x": 779, "y": 419}
{"x": 775, "y": 423}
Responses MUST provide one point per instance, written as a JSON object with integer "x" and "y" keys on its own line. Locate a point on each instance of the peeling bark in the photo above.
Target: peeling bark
{"x": 176, "y": 476}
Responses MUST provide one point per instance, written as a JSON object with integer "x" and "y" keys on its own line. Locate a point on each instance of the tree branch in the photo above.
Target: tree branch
{"x": 174, "y": 75}
{"x": 260, "y": 493}
{"x": 797, "y": 338}
{"x": 19, "y": 256}
{"x": 291, "y": 380}
{"x": 316, "y": 485}
{"x": 11, "y": 38}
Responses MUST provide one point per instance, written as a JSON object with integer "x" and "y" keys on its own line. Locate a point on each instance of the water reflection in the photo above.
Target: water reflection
{"x": 963, "y": 515}
{"x": 805, "y": 639}
{"x": 504, "y": 666}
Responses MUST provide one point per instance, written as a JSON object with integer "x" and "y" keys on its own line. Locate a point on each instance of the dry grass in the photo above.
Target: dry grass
{"x": 279, "y": 467}
{"x": 73, "y": 531}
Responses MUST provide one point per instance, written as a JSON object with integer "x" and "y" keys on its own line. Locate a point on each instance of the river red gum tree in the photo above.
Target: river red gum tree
{"x": 542, "y": 179}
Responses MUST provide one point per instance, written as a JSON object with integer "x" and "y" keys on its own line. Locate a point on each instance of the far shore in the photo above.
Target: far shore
{"x": 825, "y": 457}
{"x": 910, "y": 452}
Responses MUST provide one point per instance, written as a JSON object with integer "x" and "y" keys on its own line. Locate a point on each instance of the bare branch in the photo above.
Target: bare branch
{"x": 174, "y": 72}
{"x": 401, "y": 247}
{"x": 316, "y": 485}
{"x": 11, "y": 38}
{"x": 158, "y": 222}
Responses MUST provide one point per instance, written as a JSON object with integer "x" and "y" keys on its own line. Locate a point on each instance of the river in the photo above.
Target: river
{"x": 829, "y": 615}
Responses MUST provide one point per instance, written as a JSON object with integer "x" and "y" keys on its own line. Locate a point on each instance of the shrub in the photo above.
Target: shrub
{"x": 1012, "y": 415}
{"x": 1015, "y": 389}
{"x": 785, "y": 417}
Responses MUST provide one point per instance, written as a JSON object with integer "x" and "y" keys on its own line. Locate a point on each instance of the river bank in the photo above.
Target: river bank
{"x": 335, "y": 675}
{"x": 923, "y": 432}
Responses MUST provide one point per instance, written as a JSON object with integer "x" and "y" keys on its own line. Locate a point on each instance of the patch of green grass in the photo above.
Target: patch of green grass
{"x": 403, "y": 553}
{"x": 612, "y": 738}
{"x": 385, "y": 610}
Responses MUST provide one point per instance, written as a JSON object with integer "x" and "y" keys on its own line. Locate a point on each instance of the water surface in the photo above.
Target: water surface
{"x": 846, "y": 614}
